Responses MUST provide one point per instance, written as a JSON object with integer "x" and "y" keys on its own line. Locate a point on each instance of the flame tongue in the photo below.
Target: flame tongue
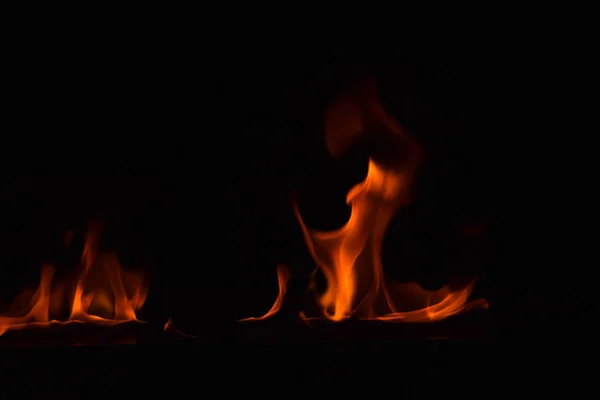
{"x": 345, "y": 255}
{"x": 350, "y": 257}
{"x": 283, "y": 275}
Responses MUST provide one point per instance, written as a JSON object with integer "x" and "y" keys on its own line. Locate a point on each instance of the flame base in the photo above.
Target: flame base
{"x": 78, "y": 333}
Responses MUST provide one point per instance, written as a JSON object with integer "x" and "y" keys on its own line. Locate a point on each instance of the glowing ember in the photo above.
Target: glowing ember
{"x": 103, "y": 294}
{"x": 350, "y": 258}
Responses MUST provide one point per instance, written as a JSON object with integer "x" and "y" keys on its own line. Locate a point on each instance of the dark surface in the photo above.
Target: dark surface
{"x": 422, "y": 368}
{"x": 231, "y": 369}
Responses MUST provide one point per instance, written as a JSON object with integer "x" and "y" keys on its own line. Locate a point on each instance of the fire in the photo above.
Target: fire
{"x": 283, "y": 276}
{"x": 350, "y": 257}
{"x": 104, "y": 294}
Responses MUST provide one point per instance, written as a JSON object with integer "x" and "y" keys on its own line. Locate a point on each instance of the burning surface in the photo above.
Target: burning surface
{"x": 102, "y": 294}
{"x": 350, "y": 257}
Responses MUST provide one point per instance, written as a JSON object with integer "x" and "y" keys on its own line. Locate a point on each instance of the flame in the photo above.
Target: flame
{"x": 350, "y": 257}
{"x": 170, "y": 327}
{"x": 117, "y": 300}
{"x": 283, "y": 276}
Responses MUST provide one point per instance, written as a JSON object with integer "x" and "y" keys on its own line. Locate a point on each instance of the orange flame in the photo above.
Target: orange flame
{"x": 283, "y": 276}
{"x": 350, "y": 258}
{"x": 126, "y": 295}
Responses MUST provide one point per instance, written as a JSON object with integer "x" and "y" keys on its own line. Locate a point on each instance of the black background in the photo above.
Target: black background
{"x": 190, "y": 150}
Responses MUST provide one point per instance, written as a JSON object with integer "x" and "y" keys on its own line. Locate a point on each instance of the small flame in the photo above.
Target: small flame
{"x": 283, "y": 276}
{"x": 124, "y": 295}
{"x": 170, "y": 327}
{"x": 350, "y": 257}
{"x": 39, "y": 305}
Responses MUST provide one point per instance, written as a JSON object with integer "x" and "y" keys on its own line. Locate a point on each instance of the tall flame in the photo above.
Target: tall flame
{"x": 350, "y": 257}
{"x": 124, "y": 295}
